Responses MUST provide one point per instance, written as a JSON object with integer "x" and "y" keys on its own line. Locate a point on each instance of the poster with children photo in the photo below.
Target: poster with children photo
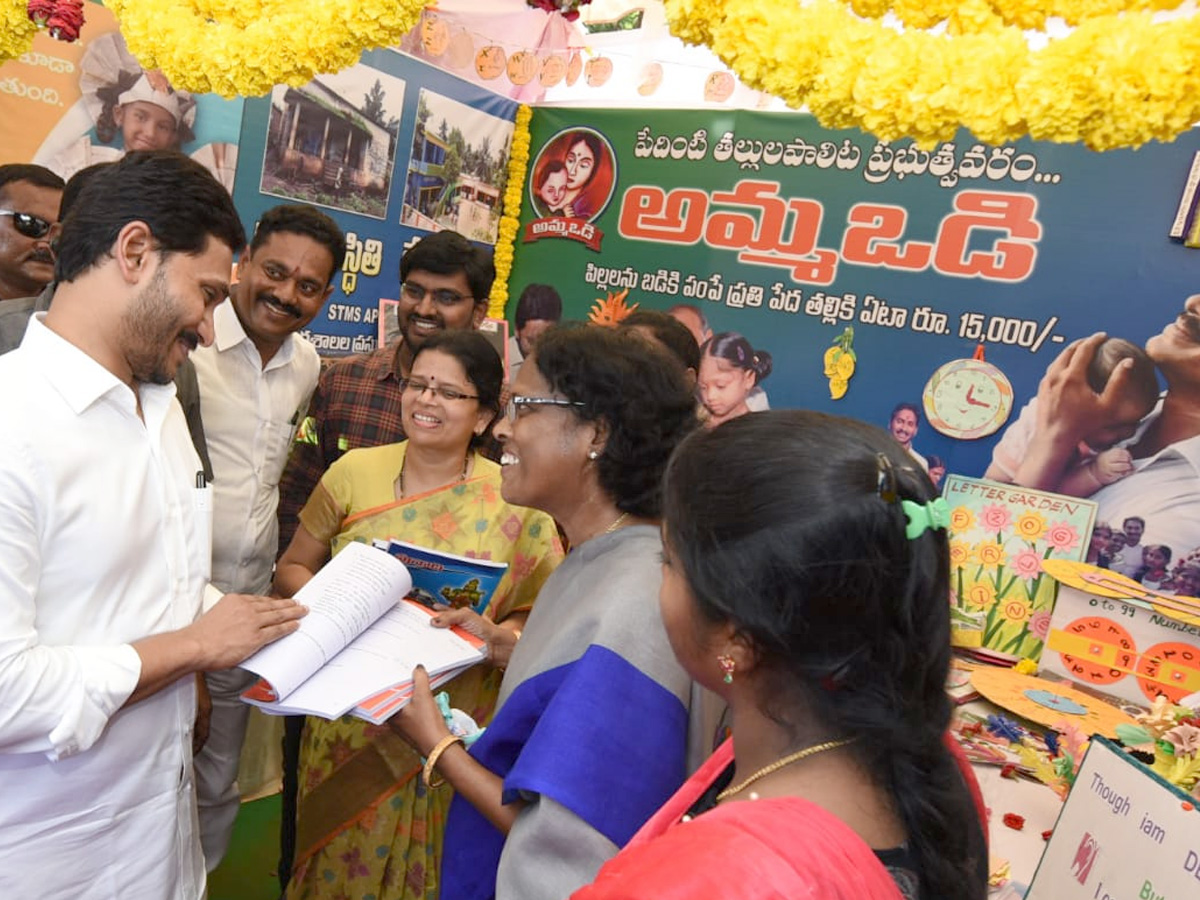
{"x": 123, "y": 107}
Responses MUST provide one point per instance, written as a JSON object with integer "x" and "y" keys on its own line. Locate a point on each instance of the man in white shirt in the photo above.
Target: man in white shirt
{"x": 1130, "y": 560}
{"x": 256, "y": 379}
{"x": 103, "y": 560}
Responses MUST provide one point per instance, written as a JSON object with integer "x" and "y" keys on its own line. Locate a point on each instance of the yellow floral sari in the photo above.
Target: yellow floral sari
{"x": 367, "y": 826}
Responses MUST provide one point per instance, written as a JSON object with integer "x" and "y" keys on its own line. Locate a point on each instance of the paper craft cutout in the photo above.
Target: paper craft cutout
{"x": 968, "y": 398}
{"x": 1057, "y": 702}
{"x": 1133, "y": 649}
{"x": 1011, "y": 690}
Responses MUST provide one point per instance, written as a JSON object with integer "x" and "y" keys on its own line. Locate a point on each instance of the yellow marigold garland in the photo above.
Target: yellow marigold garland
{"x": 1115, "y": 81}
{"x": 1030, "y": 14}
{"x": 16, "y": 30}
{"x": 247, "y": 48}
{"x": 518, "y": 164}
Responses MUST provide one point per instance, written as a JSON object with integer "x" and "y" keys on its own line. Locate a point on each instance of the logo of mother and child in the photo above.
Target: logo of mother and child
{"x": 574, "y": 178}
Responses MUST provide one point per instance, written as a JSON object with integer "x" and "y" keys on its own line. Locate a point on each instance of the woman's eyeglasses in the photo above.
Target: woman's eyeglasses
{"x": 28, "y": 224}
{"x": 516, "y": 401}
{"x": 419, "y": 386}
{"x": 415, "y": 293}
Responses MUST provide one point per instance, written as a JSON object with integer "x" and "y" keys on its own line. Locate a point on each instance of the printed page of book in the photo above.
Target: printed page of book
{"x": 382, "y": 656}
{"x": 350, "y": 592}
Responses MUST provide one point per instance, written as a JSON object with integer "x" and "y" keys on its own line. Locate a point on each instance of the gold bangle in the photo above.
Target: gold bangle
{"x": 434, "y": 755}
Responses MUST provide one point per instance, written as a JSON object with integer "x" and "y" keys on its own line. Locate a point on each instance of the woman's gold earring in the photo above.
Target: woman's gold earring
{"x": 725, "y": 661}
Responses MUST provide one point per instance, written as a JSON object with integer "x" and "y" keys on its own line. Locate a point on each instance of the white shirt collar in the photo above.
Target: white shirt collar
{"x": 81, "y": 380}
{"x": 1187, "y": 449}
{"x": 228, "y": 333}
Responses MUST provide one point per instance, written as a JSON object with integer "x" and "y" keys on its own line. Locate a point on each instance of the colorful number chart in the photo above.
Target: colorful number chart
{"x": 1121, "y": 648}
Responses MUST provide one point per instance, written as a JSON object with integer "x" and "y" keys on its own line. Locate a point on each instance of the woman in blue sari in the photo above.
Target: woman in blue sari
{"x": 592, "y": 730}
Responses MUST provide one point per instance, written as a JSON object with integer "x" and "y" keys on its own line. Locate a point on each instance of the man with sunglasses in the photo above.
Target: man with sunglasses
{"x": 445, "y": 282}
{"x": 29, "y": 198}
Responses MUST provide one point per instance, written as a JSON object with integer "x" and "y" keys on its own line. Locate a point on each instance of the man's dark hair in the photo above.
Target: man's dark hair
{"x": 75, "y": 185}
{"x": 668, "y": 331}
{"x": 447, "y": 253}
{"x": 178, "y": 199}
{"x": 538, "y": 301}
{"x": 911, "y": 407}
{"x": 308, "y": 221}
{"x": 38, "y": 176}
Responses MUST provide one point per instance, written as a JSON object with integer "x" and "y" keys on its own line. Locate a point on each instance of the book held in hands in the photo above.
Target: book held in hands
{"x": 356, "y": 649}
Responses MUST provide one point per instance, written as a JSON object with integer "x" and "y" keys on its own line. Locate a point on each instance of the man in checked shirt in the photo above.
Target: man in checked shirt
{"x": 445, "y": 282}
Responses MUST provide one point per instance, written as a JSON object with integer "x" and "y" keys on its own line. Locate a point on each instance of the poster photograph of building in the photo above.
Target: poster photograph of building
{"x": 457, "y": 170}
{"x": 332, "y": 142}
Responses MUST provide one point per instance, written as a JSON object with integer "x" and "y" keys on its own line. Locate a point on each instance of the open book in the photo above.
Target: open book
{"x": 358, "y": 644}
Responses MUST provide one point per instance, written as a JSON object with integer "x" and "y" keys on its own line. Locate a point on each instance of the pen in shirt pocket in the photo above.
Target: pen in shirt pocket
{"x": 203, "y": 503}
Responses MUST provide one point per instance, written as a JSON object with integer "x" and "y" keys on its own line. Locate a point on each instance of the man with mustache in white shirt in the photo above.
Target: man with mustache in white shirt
{"x": 255, "y": 380}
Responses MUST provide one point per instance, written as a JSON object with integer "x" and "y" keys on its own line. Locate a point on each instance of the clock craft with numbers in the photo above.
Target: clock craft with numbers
{"x": 968, "y": 399}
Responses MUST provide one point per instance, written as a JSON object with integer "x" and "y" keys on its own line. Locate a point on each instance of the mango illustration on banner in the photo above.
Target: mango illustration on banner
{"x": 598, "y": 70}
{"x": 718, "y": 87}
{"x": 652, "y": 76}
{"x": 840, "y": 362}
{"x": 522, "y": 67}
{"x": 574, "y": 68}
{"x": 554, "y": 70}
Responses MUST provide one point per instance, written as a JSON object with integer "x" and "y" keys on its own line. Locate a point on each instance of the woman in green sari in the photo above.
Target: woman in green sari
{"x": 366, "y": 825}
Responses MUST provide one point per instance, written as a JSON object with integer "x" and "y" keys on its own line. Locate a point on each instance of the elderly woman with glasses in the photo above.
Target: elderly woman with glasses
{"x": 367, "y": 824}
{"x": 592, "y": 729}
